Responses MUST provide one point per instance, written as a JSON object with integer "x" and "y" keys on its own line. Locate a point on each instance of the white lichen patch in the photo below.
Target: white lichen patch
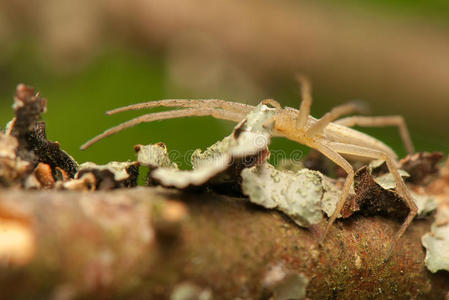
{"x": 436, "y": 241}
{"x": 249, "y": 138}
{"x": 119, "y": 169}
{"x": 154, "y": 156}
{"x": 200, "y": 158}
{"x": 181, "y": 179}
{"x": 387, "y": 181}
{"x": 297, "y": 194}
{"x": 425, "y": 204}
{"x": 331, "y": 195}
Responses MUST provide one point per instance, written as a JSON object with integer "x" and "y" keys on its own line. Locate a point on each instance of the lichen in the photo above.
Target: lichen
{"x": 112, "y": 175}
{"x": 297, "y": 194}
{"x": 181, "y": 179}
{"x": 222, "y": 162}
{"x": 250, "y": 136}
{"x": 437, "y": 241}
{"x": 119, "y": 169}
{"x": 154, "y": 156}
{"x": 331, "y": 196}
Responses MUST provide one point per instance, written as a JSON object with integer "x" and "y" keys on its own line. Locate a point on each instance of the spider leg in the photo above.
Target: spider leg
{"x": 306, "y": 103}
{"x": 339, "y": 160}
{"x": 335, "y": 113}
{"x": 400, "y": 184}
{"x": 209, "y": 103}
{"x": 273, "y": 103}
{"x": 381, "y": 122}
{"x": 217, "y": 113}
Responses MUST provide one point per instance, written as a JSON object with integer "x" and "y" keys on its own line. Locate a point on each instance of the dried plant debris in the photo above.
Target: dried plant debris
{"x": 219, "y": 166}
{"x": 87, "y": 182}
{"x": 436, "y": 241}
{"x": 50, "y": 152}
{"x": 28, "y": 107}
{"x": 376, "y": 194}
{"x": 32, "y": 146}
{"x": 105, "y": 177}
{"x": 421, "y": 166}
{"x": 425, "y": 203}
{"x": 301, "y": 195}
{"x": 44, "y": 175}
{"x": 372, "y": 198}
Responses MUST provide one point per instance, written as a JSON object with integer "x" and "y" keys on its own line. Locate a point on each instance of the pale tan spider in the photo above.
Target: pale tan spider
{"x": 333, "y": 139}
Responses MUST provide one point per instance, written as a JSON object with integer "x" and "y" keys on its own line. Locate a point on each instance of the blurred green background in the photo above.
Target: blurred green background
{"x": 87, "y": 58}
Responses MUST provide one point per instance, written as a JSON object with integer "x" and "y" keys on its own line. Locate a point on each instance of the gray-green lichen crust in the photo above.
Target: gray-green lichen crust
{"x": 437, "y": 241}
{"x": 154, "y": 156}
{"x": 298, "y": 194}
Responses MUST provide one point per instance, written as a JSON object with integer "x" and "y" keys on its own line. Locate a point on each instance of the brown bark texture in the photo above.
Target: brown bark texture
{"x": 151, "y": 243}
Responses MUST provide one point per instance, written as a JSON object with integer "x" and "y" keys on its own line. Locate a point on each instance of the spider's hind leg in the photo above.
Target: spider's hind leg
{"x": 400, "y": 184}
{"x": 397, "y": 121}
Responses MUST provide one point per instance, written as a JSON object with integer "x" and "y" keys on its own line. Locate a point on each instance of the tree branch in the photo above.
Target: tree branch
{"x": 155, "y": 242}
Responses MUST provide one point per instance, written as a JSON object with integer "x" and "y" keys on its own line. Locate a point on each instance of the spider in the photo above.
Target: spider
{"x": 331, "y": 135}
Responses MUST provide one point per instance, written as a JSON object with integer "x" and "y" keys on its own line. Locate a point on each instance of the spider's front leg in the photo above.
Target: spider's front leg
{"x": 164, "y": 115}
{"x": 335, "y": 113}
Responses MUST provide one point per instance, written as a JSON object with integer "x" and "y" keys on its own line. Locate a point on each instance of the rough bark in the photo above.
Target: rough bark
{"x": 146, "y": 243}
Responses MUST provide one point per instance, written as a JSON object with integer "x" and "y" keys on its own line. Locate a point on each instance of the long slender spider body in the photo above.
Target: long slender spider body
{"x": 333, "y": 132}
{"x": 330, "y": 135}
